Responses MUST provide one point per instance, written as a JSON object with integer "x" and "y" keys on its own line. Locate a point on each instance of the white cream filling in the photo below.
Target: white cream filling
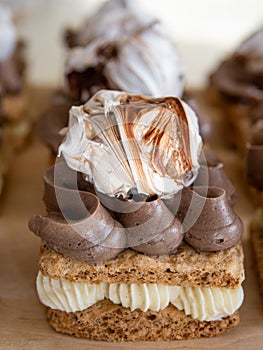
{"x": 202, "y": 303}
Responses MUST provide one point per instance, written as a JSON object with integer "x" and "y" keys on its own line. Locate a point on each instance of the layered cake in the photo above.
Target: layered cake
{"x": 12, "y": 85}
{"x": 238, "y": 85}
{"x": 239, "y": 88}
{"x": 132, "y": 249}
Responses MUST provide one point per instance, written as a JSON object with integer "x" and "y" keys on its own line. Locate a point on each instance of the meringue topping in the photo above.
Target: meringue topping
{"x": 129, "y": 50}
{"x": 114, "y": 19}
{"x": 122, "y": 142}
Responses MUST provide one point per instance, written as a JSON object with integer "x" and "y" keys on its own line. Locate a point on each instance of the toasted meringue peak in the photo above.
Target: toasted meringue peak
{"x": 123, "y": 142}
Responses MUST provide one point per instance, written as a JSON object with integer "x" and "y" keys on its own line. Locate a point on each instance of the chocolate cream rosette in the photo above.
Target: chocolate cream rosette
{"x": 128, "y": 238}
{"x": 238, "y": 84}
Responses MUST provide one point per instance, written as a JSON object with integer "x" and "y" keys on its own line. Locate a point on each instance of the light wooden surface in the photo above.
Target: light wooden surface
{"x": 22, "y": 317}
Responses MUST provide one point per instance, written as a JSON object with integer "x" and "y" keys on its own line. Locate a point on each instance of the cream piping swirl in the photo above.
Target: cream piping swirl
{"x": 202, "y": 303}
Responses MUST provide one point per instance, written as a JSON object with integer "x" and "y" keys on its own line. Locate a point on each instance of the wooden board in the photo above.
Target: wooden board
{"x": 22, "y": 317}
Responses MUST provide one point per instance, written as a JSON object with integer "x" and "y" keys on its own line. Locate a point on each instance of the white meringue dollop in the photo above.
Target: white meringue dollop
{"x": 145, "y": 60}
{"x": 123, "y": 142}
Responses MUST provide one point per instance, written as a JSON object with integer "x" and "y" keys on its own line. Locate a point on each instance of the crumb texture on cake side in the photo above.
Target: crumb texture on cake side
{"x": 106, "y": 321}
{"x": 186, "y": 267}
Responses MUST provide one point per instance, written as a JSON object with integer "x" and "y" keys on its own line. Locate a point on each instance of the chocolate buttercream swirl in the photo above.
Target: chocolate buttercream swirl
{"x": 151, "y": 217}
{"x": 212, "y": 174}
{"x": 79, "y": 226}
{"x": 239, "y": 77}
{"x": 217, "y": 227}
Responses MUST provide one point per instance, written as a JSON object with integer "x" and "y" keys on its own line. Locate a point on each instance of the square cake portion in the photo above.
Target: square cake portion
{"x": 12, "y": 80}
{"x": 139, "y": 297}
{"x": 136, "y": 244}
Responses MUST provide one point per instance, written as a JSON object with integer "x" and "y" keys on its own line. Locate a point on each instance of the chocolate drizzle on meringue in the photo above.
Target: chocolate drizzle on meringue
{"x": 123, "y": 141}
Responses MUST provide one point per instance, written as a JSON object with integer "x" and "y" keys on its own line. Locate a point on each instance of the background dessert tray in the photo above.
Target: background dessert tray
{"x": 22, "y": 321}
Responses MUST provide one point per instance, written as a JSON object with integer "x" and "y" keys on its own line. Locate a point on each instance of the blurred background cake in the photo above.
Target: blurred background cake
{"x": 12, "y": 79}
{"x": 15, "y": 120}
{"x": 120, "y": 47}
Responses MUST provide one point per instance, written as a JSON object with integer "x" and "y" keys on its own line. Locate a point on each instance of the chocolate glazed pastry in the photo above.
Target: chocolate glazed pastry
{"x": 217, "y": 227}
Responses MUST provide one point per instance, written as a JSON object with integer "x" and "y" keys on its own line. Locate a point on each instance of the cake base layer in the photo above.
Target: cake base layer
{"x": 106, "y": 321}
